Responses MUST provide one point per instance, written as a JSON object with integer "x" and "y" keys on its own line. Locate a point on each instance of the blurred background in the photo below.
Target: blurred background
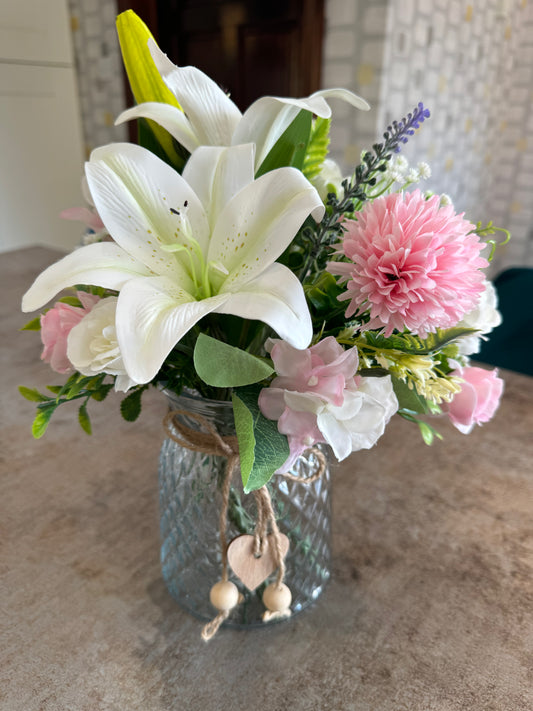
{"x": 471, "y": 63}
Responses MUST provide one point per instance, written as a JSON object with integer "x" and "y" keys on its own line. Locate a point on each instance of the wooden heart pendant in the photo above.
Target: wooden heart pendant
{"x": 250, "y": 570}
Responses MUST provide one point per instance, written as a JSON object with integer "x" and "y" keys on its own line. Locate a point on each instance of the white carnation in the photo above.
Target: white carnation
{"x": 93, "y": 346}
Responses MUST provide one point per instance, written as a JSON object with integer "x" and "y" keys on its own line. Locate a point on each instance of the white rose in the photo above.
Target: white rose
{"x": 484, "y": 318}
{"x": 356, "y": 424}
{"x": 93, "y": 347}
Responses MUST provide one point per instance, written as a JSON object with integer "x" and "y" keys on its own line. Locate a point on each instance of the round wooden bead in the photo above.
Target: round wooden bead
{"x": 224, "y": 595}
{"x": 277, "y": 598}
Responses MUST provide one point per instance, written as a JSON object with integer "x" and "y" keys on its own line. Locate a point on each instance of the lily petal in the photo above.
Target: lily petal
{"x": 357, "y": 101}
{"x": 103, "y": 264}
{"x": 267, "y": 118}
{"x": 276, "y": 298}
{"x": 134, "y": 192}
{"x": 167, "y": 116}
{"x": 260, "y": 222}
{"x": 217, "y": 174}
{"x": 152, "y": 316}
{"x": 212, "y": 114}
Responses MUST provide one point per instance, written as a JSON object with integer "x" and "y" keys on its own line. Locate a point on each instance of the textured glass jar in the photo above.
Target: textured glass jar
{"x": 190, "y": 503}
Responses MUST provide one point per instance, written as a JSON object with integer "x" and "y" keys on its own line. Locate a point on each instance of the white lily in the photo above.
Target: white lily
{"x": 210, "y": 118}
{"x": 186, "y": 246}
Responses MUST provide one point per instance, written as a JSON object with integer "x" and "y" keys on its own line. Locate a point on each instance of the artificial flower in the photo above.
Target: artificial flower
{"x": 210, "y": 117}
{"x": 93, "y": 347}
{"x": 56, "y": 325}
{"x": 484, "y": 317}
{"x": 329, "y": 179}
{"x": 317, "y": 398}
{"x": 186, "y": 246}
{"x": 412, "y": 264}
{"x": 478, "y": 399}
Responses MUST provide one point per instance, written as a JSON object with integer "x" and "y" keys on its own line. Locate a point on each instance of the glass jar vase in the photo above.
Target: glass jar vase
{"x": 190, "y": 497}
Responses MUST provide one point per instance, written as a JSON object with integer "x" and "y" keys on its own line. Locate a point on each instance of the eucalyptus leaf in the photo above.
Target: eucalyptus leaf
{"x": 262, "y": 448}
{"x": 223, "y": 366}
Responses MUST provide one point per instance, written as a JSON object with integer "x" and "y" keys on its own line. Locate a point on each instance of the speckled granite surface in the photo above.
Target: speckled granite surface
{"x": 429, "y": 608}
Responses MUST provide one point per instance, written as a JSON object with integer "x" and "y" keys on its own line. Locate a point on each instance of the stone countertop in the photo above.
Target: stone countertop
{"x": 429, "y": 607}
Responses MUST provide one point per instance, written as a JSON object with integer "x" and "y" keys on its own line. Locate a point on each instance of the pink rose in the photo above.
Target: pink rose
{"x": 56, "y": 324}
{"x": 478, "y": 399}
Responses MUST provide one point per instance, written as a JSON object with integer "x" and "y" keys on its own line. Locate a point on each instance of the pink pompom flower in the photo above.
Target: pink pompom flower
{"x": 56, "y": 324}
{"x": 477, "y": 400}
{"x": 413, "y": 264}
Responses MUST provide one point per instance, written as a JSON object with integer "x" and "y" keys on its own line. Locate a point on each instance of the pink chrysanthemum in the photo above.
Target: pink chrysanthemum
{"x": 414, "y": 264}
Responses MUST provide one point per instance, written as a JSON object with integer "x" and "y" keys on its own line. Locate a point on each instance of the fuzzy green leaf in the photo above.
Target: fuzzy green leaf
{"x": 83, "y": 419}
{"x": 224, "y": 366}
{"x": 262, "y": 448}
{"x": 32, "y": 394}
{"x": 291, "y": 146}
{"x": 33, "y": 325}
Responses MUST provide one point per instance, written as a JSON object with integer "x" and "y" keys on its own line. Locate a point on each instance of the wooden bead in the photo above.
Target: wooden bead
{"x": 277, "y": 597}
{"x": 224, "y": 595}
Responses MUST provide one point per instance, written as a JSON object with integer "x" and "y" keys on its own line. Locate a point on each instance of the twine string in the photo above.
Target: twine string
{"x": 212, "y": 443}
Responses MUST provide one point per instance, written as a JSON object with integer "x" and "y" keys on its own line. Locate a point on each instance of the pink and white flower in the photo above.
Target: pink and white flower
{"x": 478, "y": 399}
{"x": 318, "y": 398}
{"x": 413, "y": 264}
{"x": 56, "y": 325}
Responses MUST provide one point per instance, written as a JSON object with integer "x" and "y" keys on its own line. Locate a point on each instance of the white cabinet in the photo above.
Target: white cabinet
{"x": 41, "y": 145}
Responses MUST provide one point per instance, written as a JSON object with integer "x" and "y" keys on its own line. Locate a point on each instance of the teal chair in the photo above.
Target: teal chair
{"x": 510, "y": 345}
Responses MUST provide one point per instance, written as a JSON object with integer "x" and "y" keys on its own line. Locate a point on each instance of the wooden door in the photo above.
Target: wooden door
{"x": 251, "y": 48}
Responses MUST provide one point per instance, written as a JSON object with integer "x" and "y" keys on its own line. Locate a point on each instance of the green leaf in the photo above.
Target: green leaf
{"x": 32, "y": 394}
{"x": 428, "y": 432}
{"x": 56, "y": 389}
{"x": 130, "y": 407}
{"x": 102, "y": 392}
{"x": 40, "y": 423}
{"x": 83, "y": 419}
{"x": 33, "y": 325}
{"x": 408, "y": 398}
{"x": 71, "y": 301}
{"x": 223, "y": 366}
{"x": 291, "y": 146}
{"x": 145, "y": 81}
{"x": 317, "y": 148}
{"x": 262, "y": 448}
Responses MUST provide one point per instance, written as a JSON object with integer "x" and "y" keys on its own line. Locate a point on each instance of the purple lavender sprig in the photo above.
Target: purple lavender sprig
{"x": 399, "y": 131}
{"x": 316, "y": 239}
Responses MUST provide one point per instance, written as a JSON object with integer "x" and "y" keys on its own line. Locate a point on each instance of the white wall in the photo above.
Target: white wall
{"x": 40, "y": 128}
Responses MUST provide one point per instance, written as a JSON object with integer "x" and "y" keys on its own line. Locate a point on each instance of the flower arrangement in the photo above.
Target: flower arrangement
{"x": 226, "y": 255}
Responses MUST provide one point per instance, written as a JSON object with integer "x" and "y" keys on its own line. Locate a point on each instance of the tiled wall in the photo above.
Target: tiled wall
{"x": 99, "y": 68}
{"x": 470, "y": 62}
